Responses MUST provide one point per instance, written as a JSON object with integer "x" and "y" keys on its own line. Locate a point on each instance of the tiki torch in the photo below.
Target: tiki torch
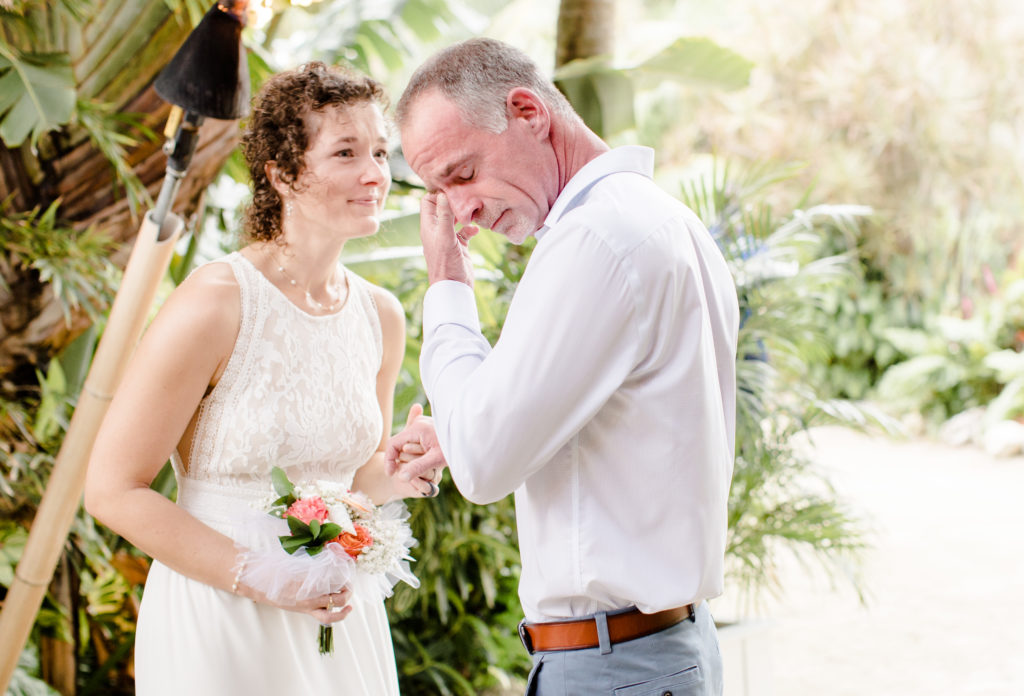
{"x": 207, "y": 78}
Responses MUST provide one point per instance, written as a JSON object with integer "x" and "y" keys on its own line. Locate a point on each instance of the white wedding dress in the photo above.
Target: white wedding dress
{"x": 299, "y": 392}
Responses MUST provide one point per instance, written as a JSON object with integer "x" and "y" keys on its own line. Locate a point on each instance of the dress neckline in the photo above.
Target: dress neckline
{"x": 316, "y": 317}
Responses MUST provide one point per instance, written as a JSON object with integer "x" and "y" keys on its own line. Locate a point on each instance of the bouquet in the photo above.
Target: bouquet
{"x": 335, "y": 537}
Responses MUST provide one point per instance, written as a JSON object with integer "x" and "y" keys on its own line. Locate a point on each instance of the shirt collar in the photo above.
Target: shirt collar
{"x": 630, "y": 158}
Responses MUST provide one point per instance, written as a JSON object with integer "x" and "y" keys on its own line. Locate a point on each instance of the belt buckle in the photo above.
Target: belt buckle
{"x": 524, "y": 636}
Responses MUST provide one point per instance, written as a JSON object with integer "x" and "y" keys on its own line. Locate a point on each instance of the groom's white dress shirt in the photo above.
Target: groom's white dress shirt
{"x": 608, "y": 403}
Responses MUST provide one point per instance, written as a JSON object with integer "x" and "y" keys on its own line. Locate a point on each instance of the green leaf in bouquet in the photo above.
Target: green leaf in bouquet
{"x": 285, "y": 502}
{"x": 293, "y": 543}
{"x": 282, "y": 485}
{"x": 314, "y": 528}
{"x": 297, "y": 526}
{"x": 330, "y": 531}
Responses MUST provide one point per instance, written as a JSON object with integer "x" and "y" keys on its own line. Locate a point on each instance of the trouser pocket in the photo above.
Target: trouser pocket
{"x": 688, "y": 682}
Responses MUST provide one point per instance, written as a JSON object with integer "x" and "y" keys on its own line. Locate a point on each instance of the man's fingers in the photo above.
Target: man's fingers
{"x": 444, "y": 215}
{"x": 433, "y": 459}
{"x": 436, "y": 218}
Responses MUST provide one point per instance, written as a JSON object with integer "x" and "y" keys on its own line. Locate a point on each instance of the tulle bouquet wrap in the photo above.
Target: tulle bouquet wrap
{"x": 329, "y": 537}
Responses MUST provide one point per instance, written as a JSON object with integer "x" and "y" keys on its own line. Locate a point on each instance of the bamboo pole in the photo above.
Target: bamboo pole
{"x": 146, "y": 267}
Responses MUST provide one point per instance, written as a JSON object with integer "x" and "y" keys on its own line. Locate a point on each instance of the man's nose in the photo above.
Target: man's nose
{"x": 464, "y": 205}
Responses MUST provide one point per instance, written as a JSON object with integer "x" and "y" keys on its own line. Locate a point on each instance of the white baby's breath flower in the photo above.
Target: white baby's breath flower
{"x": 306, "y": 490}
{"x": 331, "y": 490}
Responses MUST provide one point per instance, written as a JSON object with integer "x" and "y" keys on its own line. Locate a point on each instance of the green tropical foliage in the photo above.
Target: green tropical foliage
{"x": 92, "y": 603}
{"x": 905, "y": 107}
{"x": 605, "y": 95}
{"x": 38, "y": 94}
{"x": 955, "y": 364}
{"x": 75, "y": 264}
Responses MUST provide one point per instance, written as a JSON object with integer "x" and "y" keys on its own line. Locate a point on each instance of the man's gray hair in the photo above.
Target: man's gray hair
{"x": 477, "y": 76}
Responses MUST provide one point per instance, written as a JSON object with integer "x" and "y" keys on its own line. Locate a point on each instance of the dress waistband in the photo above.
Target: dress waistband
{"x": 230, "y": 509}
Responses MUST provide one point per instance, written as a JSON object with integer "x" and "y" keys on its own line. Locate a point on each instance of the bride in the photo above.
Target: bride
{"x": 273, "y": 356}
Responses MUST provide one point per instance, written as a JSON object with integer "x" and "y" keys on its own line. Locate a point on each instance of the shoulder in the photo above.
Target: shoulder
{"x": 205, "y": 306}
{"x": 386, "y": 305}
{"x": 214, "y": 286}
{"x": 389, "y": 309}
{"x": 625, "y": 210}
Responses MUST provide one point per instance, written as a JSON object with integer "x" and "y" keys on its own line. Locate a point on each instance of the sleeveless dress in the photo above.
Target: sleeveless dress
{"x": 299, "y": 392}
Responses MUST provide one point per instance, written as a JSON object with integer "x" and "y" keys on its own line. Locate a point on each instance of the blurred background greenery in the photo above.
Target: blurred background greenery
{"x": 859, "y": 162}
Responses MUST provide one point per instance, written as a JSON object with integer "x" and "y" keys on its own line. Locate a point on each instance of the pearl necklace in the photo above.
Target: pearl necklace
{"x": 312, "y": 301}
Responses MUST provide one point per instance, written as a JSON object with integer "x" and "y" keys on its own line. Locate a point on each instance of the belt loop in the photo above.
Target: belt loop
{"x": 603, "y": 640}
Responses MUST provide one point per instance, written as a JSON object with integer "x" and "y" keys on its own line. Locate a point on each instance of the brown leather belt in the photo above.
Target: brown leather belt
{"x": 579, "y": 634}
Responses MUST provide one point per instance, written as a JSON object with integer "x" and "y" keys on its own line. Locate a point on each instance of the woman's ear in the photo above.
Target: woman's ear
{"x": 274, "y": 177}
{"x": 525, "y": 104}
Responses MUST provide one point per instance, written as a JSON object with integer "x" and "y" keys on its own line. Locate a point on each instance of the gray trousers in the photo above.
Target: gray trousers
{"x": 683, "y": 660}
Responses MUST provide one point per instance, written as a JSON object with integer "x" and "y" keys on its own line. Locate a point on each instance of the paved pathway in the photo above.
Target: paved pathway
{"x": 944, "y": 581}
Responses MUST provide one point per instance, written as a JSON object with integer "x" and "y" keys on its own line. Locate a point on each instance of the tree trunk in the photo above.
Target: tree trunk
{"x": 586, "y": 28}
{"x": 116, "y": 53}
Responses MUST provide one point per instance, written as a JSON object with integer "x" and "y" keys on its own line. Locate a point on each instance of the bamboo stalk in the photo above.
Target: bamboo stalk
{"x": 145, "y": 269}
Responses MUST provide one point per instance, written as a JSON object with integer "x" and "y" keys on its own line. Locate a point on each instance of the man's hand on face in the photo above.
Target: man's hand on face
{"x": 446, "y": 251}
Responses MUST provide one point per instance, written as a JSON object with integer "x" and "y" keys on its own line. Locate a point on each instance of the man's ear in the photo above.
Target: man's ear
{"x": 525, "y": 104}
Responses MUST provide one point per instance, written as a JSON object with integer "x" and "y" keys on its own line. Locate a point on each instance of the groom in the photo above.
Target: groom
{"x": 608, "y": 404}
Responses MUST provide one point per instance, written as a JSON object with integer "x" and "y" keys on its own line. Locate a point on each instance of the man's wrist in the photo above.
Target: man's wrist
{"x": 448, "y": 301}
{"x": 442, "y": 274}
{"x": 440, "y": 279}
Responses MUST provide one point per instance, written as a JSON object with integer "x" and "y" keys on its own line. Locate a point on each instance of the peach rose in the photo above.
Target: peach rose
{"x": 353, "y": 544}
{"x": 308, "y": 509}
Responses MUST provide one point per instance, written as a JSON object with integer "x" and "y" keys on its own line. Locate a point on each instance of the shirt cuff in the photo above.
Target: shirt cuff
{"x": 449, "y": 302}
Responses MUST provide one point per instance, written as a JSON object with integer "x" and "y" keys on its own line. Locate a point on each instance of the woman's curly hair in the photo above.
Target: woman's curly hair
{"x": 278, "y": 131}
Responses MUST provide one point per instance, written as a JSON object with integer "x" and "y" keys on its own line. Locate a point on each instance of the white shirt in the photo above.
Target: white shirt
{"x": 608, "y": 403}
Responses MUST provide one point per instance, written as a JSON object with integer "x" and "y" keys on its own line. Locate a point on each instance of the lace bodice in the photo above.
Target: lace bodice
{"x": 299, "y": 391}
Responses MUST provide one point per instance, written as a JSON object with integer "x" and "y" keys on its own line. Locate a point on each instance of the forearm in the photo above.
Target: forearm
{"x": 167, "y": 533}
{"x": 373, "y": 480}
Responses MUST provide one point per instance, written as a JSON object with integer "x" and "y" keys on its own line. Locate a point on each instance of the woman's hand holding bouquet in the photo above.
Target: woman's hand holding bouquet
{"x": 334, "y": 544}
